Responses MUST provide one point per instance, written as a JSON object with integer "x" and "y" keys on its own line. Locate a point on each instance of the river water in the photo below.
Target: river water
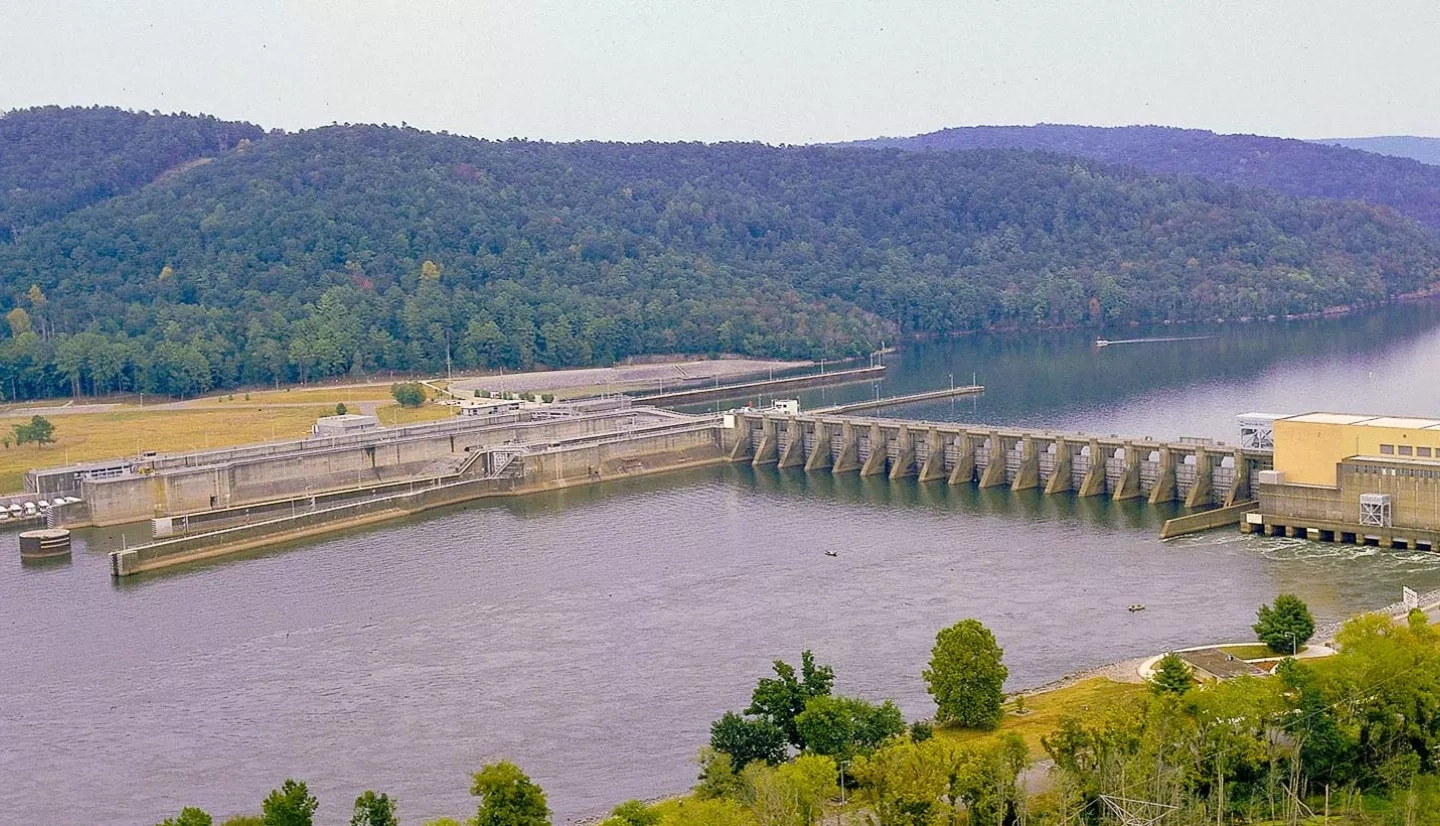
{"x": 592, "y": 635}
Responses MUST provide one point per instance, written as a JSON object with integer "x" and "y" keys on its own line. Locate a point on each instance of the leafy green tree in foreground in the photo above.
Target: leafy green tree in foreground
{"x": 508, "y": 797}
{"x": 245, "y": 820}
{"x": 635, "y": 813}
{"x": 189, "y": 816}
{"x": 408, "y": 393}
{"x": 966, "y": 675}
{"x": 1172, "y": 675}
{"x": 290, "y": 805}
{"x": 843, "y": 727}
{"x": 373, "y": 809}
{"x": 782, "y": 698}
{"x": 747, "y": 739}
{"x": 1286, "y": 625}
{"x": 717, "y": 775}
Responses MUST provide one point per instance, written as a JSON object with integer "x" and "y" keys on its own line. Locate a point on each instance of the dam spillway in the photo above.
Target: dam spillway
{"x": 1197, "y": 472}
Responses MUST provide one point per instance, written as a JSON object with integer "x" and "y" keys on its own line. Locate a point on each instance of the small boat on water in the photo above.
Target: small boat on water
{"x": 1139, "y": 606}
{"x": 832, "y": 553}
{"x": 1100, "y": 342}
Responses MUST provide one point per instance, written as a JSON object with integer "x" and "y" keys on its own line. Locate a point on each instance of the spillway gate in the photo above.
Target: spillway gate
{"x": 1199, "y": 473}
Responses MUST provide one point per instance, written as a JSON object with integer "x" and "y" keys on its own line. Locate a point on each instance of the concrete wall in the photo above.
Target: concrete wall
{"x": 607, "y": 457}
{"x": 1415, "y": 498}
{"x": 253, "y": 477}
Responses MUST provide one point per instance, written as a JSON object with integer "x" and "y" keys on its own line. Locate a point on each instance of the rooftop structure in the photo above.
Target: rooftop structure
{"x": 344, "y": 424}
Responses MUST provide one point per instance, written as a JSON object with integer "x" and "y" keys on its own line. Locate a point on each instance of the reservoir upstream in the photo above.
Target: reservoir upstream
{"x": 592, "y": 634}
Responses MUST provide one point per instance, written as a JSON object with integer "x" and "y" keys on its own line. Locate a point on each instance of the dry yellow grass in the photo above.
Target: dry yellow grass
{"x": 393, "y": 414}
{"x": 315, "y": 395}
{"x": 1043, "y": 711}
{"x": 84, "y": 437}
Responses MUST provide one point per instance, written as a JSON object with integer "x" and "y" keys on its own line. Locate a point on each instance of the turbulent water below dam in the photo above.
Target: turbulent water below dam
{"x": 591, "y": 635}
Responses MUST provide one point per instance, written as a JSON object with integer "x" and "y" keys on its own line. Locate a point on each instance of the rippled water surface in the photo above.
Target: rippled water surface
{"x": 592, "y": 635}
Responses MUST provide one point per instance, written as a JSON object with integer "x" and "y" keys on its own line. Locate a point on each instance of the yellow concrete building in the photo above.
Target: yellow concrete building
{"x": 1309, "y": 448}
{"x": 1368, "y": 480}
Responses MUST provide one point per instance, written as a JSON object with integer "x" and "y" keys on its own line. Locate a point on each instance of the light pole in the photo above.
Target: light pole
{"x": 843, "y": 764}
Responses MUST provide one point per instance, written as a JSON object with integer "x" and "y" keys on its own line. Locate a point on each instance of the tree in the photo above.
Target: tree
{"x": 717, "y": 775}
{"x": 245, "y": 820}
{"x": 508, "y": 797}
{"x": 1172, "y": 675}
{"x": 1286, "y": 625}
{"x": 374, "y": 810}
{"x": 812, "y": 779}
{"x": 38, "y": 430}
{"x": 635, "y": 813}
{"x": 747, "y": 739}
{"x": 782, "y": 698}
{"x": 967, "y": 676}
{"x": 290, "y": 805}
{"x": 710, "y": 812}
{"x": 341, "y": 409}
{"x": 845, "y": 726}
{"x": 408, "y": 393}
{"x": 189, "y": 816}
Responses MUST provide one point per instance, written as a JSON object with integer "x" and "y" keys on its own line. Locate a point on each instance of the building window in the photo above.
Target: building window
{"x": 1387, "y": 450}
{"x": 1406, "y": 450}
{"x": 1422, "y": 451}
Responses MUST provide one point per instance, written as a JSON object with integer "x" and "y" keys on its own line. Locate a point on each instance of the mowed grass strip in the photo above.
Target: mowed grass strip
{"x": 1043, "y": 711}
{"x": 85, "y": 437}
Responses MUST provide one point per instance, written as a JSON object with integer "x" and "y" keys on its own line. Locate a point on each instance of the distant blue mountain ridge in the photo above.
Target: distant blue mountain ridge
{"x": 1424, "y": 150}
{"x": 1311, "y": 169}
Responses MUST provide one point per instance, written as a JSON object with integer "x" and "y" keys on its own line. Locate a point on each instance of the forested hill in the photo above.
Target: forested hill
{"x": 54, "y": 160}
{"x": 352, "y": 249}
{"x": 1295, "y": 167}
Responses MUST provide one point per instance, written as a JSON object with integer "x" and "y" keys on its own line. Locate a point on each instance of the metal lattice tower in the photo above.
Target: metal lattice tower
{"x": 1136, "y": 812}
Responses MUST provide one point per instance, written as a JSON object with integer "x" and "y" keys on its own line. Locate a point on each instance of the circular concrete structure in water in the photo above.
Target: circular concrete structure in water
{"x": 44, "y": 544}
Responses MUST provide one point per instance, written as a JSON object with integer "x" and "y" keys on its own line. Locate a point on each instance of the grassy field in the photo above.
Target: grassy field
{"x": 84, "y": 437}
{"x": 1043, "y": 711}
{"x": 1254, "y": 651}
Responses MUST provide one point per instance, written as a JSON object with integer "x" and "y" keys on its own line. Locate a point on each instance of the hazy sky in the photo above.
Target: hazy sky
{"x": 737, "y": 69}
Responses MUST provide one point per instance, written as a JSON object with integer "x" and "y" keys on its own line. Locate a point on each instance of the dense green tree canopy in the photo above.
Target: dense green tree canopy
{"x": 1286, "y": 625}
{"x": 189, "y": 816}
{"x": 1172, "y": 675}
{"x": 967, "y": 676}
{"x": 373, "y": 809}
{"x": 508, "y": 797}
{"x": 59, "y": 160}
{"x": 356, "y": 249}
{"x": 781, "y": 699}
{"x": 1305, "y": 168}
{"x": 290, "y": 805}
{"x": 843, "y": 727}
{"x": 747, "y": 739}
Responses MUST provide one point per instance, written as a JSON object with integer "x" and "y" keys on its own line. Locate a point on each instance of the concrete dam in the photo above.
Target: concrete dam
{"x": 208, "y": 504}
{"x": 1198, "y": 473}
